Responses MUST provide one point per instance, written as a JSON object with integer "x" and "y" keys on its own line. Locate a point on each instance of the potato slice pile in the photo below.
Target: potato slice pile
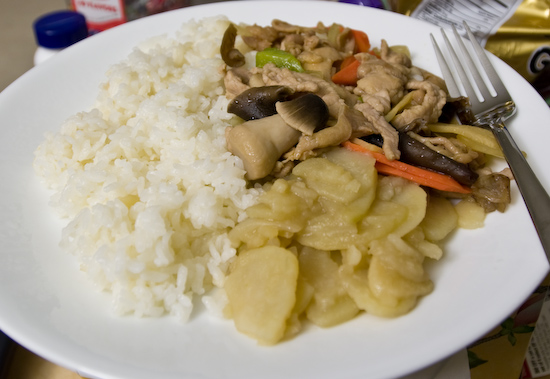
{"x": 262, "y": 291}
{"x": 331, "y": 240}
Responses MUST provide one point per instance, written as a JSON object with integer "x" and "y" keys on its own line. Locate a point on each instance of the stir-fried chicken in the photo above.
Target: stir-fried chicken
{"x": 429, "y": 100}
{"x": 398, "y": 59}
{"x": 449, "y": 147}
{"x": 380, "y": 83}
{"x": 236, "y": 81}
{"x": 331, "y": 136}
{"x": 388, "y": 133}
{"x": 321, "y": 59}
{"x": 333, "y": 95}
{"x": 388, "y": 99}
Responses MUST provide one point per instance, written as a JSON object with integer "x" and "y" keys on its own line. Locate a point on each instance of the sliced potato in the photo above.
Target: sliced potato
{"x": 397, "y": 271}
{"x": 353, "y": 256}
{"x": 304, "y": 294}
{"x": 399, "y": 256}
{"x": 329, "y": 179}
{"x": 280, "y": 203}
{"x": 308, "y": 196}
{"x": 254, "y": 233}
{"x": 470, "y": 214}
{"x": 261, "y": 289}
{"x": 441, "y": 218}
{"x": 384, "y": 217}
{"x": 328, "y": 231}
{"x": 356, "y": 284}
{"x": 408, "y": 194}
{"x": 399, "y": 207}
{"x": 330, "y": 305}
{"x": 361, "y": 166}
{"x": 417, "y": 239}
{"x": 392, "y": 282}
{"x": 282, "y": 210}
{"x": 360, "y": 241}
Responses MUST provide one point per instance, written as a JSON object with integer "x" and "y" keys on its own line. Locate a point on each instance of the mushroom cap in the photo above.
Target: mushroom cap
{"x": 306, "y": 113}
{"x": 258, "y": 102}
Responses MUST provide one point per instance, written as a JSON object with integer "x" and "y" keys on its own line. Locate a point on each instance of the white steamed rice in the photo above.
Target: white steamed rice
{"x": 145, "y": 178}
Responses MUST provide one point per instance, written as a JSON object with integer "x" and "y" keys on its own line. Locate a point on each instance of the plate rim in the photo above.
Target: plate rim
{"x": 45, "y": 351}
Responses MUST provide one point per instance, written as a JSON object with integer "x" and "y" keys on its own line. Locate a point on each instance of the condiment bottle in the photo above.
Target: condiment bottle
{"x": 56, "y": 31}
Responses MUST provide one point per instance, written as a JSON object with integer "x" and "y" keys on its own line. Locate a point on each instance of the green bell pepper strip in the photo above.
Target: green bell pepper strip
{"x": 280, "y": 58}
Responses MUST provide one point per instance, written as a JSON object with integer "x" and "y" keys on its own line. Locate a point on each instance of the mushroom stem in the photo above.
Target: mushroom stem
{"x": 260, "y": 143}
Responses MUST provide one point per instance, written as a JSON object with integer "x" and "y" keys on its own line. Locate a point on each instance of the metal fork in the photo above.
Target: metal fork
{"x": 491, "y": 112}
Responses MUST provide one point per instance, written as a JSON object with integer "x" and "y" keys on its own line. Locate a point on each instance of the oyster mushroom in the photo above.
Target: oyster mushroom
{"x": 261, "y": 142}
{"x": 306, "y": 113}
{"x": 258, "y": 102}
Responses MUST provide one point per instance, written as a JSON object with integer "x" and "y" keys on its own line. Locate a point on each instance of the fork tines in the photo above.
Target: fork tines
{"x": 475, "y": 80}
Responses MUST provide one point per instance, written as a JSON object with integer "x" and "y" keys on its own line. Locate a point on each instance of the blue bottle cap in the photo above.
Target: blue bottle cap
{"x": 60, "y": 29}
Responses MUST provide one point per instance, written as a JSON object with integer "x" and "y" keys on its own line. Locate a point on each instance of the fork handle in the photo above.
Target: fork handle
{"x": 535, "y": 196}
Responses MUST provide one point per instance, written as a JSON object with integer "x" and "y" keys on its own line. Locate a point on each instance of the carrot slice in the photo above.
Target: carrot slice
{"x": 362, "y": 43}
{"x": 347, "y": 61}
{"x": 416, "y": 174}
{"x": 348, "y": 75}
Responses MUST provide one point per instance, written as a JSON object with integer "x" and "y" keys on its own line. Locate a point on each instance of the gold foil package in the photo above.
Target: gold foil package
{"x": 524, "y": 40}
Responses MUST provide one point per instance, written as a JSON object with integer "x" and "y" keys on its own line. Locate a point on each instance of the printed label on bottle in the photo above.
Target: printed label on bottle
{"x": 483, "y": 17}
{"x": 101, "y": 14}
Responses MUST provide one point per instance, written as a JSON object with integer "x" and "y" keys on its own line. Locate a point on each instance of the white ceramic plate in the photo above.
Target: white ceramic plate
{"x": 47, "y": 305}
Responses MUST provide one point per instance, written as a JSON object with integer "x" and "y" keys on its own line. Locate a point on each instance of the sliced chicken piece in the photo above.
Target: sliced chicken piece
{"x": 330, "y": 136}
{"x": 360, "y": 126}
{"x": 428, "y": 103}
{"x": 333, "y": 95}
{"x": 285, "y": 27}
{"x": 293, "y": 43}
{"x": 388, "y": 132}
{"x": 311, "y": 42}
{"x": 259, "y": 37}
{"x": 433, "y": 78}
{"x": 238, "y": 80}
{"x": 380, "y": 83}
{"x": 399, "y": 60}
